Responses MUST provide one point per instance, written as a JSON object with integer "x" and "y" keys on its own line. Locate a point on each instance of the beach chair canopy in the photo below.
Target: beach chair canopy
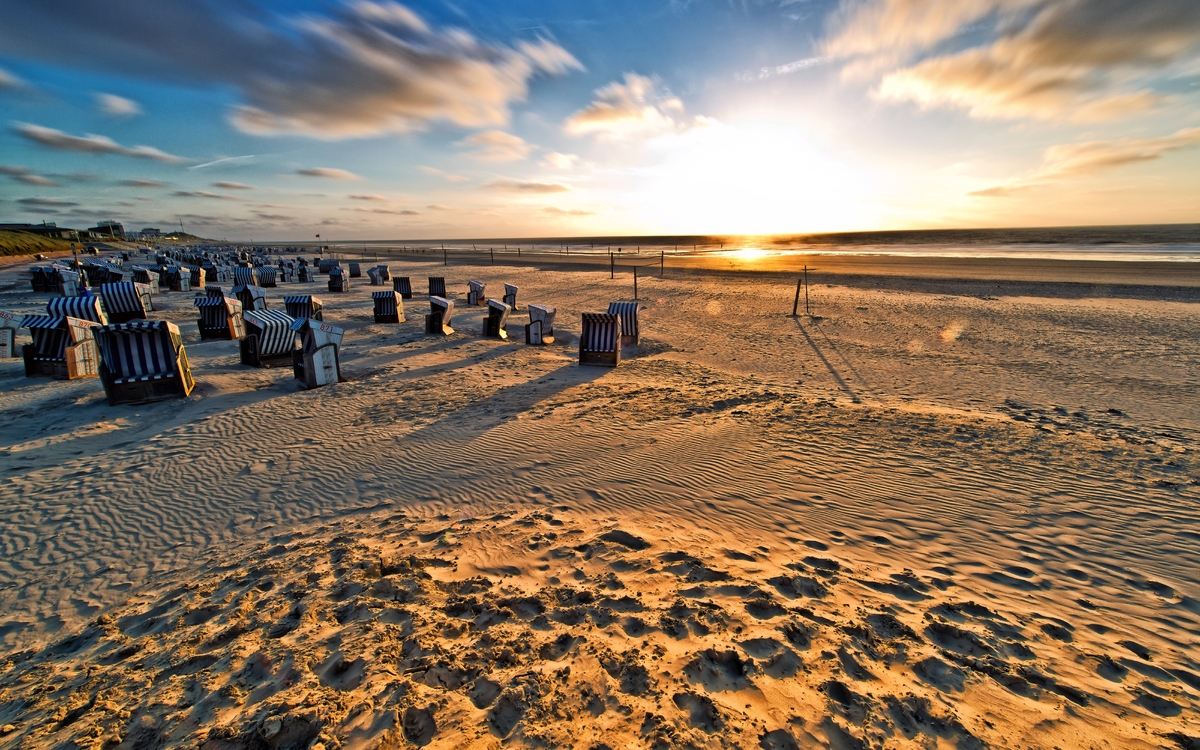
{"x": 139, "y": 350}
{"x": 122, "y": 297}
{"x": 274, "y": 331}
{"x": 315, "y": 334}
{"x": 543, "y": 314}
{"x": 629, "y": 317}
{"x": 601, "y": 332}
{"x": 52, "y": 334}
{"x": 215, "y": 311}
{"x": 83, "y": 308}
{"x": 301, "y": 305}
{"x": 245, "y": 276}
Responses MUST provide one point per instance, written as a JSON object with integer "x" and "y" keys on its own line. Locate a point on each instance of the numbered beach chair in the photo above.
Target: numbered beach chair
{"x": 475, "y": 291}
{"x": 338, "y": 280}
{"x": 629, "y": 320}
{"x": 269, "y": 340}
{"x": 316, "y": 362}
{"x": 143, "y": 361}
{"x": 62, "y": 348}
{"x": 540, "y": 329}
{"x": 251, "y": 297}
{"x": 9, "y": 323}
{"x": 403, "y": 285}
{"x": 356, "y": 271}
{"x": 87, "y": 307}
{"x": 441, "y": 311}
{"x": 493, "y": 324}
{"x": 220, "y": 318}
{"x": 245, "y": 276}
{"x": 389, "y": 307}
{"x": 301, "y": 306}
{"x": 266, "y": 276}
{"x": 126, "y": 300}
{"x": 510, "y": 295}
{"x": 600, "y": 340}
{"x": 437, "y": 286}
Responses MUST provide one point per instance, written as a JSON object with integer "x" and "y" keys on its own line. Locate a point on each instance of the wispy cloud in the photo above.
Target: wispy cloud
{"x": 438, "y": 207}
{"x": 46, "y": 203}
{"x": 444, "y": 175}
{"x": 232, "y": 186}
{"x": 567, "y": 212}
{"x": 117, "y": 106}
{"x": 26, "y": 176}
{"x": 560, "y": 161}
{"x": 515, "y": 186}
{"x": 9, "y": 82}
{"x": 227, "y": 160}
{"x": 142, "y": 183}
{"x": 639, "y": 107}
{"x": 329, "y": 173}
{"x": 374, "y": 198}
{"x": 394, "y": 212}
{"x": 204, "y": 194}
{"x": 785, "y": 69}
{"x": 89, "y": 144}
{"x": 496, "y": 145}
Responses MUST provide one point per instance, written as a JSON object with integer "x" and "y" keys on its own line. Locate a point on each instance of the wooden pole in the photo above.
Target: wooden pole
{"x": 611, "y": 268}
{"x": 492, "y": 253}
{"x": 635, "y": 296}
{"x": 662, "y": 262}
{"x": 796, "y": 302}
{"x": 806, "y": 308}
{"x": 445, "y": 259}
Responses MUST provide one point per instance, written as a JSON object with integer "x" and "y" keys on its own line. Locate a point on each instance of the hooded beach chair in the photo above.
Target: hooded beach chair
{"x": 87, "y": 307}
{"x": 540, "y": 329}
{"x": 304, "y": 275}
{"x": 199, "y": 277}
{"x": 441, "y": 310}
{"x": 629, "y": 320}
{"x": 510, "y": 295}
{"x": 179, "y": 279}
{"x": 338, "y": 280}
{"x": 389, "y": 307}
{"x": 269, "y": 339}
{"x": 493, "y": 324}
{"x": 403, "y": 285}
{"x": 302, "y": 306}
{"x": 600, "y": 339}
{"x": 126, "y": 300}
{"x": 62, "y": 348}
{"x": 326, "y": 265}
{"x": 266, "y": 276}
{"x": 215, "y": 291}
{"x": 380, "y": 275}
{"x": 475, "y": 292}
{"x": 356, "y": 271}
{"x": 9, "y": 323}
{"x": 437, "y": 286}
{"x": 245, "y": 276}
{"x": 143, "y": 275}
{"x": 67, "y": 282}
{"x": 143, "y": 361}
{"x": 316, "y": 362}
{"x": 220, "y": 318}
{"x": 43, "y": 278}
{"x": 251, "y": 297}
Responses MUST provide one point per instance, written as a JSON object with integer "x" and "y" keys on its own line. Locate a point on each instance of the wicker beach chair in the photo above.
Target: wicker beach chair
{"x": 304, "y": 274}
{"x": 215, "y": 291}
{"x": 338, "y": 280}
{"x": 251, "y": 297}
{"x": 43, "y": 278}
{"x": 9, "y": 323}
{"x": 179, "y": 279}
{"x": 389, "y": 307}
{"x": 143, "y": 275}
{"x": 220, "y": 318}
{"x": 403, "y": 285}
{"x": 493, "y": 324}
{"x": 62, "y": 348}
{"x": 380, "y": 275}
{"x": 600, "y": 339}
{"x": 143, "y": 361}
{"x": 441, "y": 311}
{"x": 475, "y": 292}
{"x": 301, "y": 306}
{"x": 266, "y": 276}
{"x": 356, "y": 271}
{"x": 269, "y": 340}
{"x": 245, "y": 276}
{"x": 540, "y": 329}
{"x": 437, "y": 286}
{"x": 87, "y": 307}
{"x": 199, "y": 277}
{"x": 67, "y": 282}
{"x": 126, "y": 300}
{"x": 629, "y": 320}
{"x": 316, "y": 362}
{"x": 510, "y": 296}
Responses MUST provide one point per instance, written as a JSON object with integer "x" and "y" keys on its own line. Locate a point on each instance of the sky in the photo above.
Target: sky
{"x": 275, "y": 120}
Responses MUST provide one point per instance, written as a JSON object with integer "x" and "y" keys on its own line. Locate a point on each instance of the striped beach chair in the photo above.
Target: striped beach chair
{"x": 475, "y": 292}
{"x": 510, "y": 295}
{"x": 403, "y": 285}
{"x": 269, "y": 340}
{"x": 179, "y": 279}
{"x": 87, "y": 307}
{"x": 380, "y": 275}
{"x": 600, "y": 340}
{"x": 126, "y": 300}
{"x": 67, "y": 282}
{"x": 629, "y": 320}
{"x": 266, "y": 276}
{"x": 437, "y": 286}
{"x": 389, "y": 307}
{"x": 316, "y": 362}
{"x": 301, "y": 306}
{"x": 251, "y": 297}
{"x": 215, "y": 291}
{"x": 338, "y": 280}
{"x": 43, "y": 278}
{"x": 62, "y": 348}
{"x": 540, "y": 329}
{"x": 199, "y": 277}
{"x": 493, "y": 324}
{"x": 143, "y": 275}
{"x": 304, "y": 274}
{"x": 220, "y": 318}
{"x": 356, "y": 271}
{"x": 143, "y": 361}
{"x": 9, "y": 323}
{"x": 441, "y": 311}
{"x": 245, "y": 276}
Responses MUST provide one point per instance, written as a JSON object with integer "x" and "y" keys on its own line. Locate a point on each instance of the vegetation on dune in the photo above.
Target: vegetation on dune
{"x": 27, "y": 243}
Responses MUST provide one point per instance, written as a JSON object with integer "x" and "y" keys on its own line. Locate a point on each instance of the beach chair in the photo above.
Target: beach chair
{"x": 125, "y": 300}
{"x": 403, "y": 285}
{"x": 62, "y": 348}
{"x": 510, "y": 295}
{"x": 87, "y": 307}
{"x": 199, "y": 277}
{"x": 440, "y": 313}
{"x": 475, "y": 292}
{"x": 215, "y": 291}
{"x": 9, "y": 323}
{"x": 245, "y": 276}
{"x": 304, "y": 274}
{"x": 316, "y": 362}
{"x": 389, "y": 307}
{"x": 302, "y": 306}
{"x": 179, "y": 279}
{"x": 338, "y": 280}
{"x": 269, "y": 340}
{"x": 43, "y": 278}
{"x": 266, "y": 276}
{"x": 437, "y": 286}
{"x": 540, "y": 329}
{"x": 143, "y": 361}
{"x": 67, "y": 283}
{"x": 355, "y": 271}
{"x": 220, "y": 318}
{"x": 142, "y": 275}
{"x": 326, "y": 265}
{"x": 251, "y": 297}
{"x": 600, "y": 339}
{"x": 629, "y": 320}
{"x": 493, "y": 324}
{"x": 380, "y": 275}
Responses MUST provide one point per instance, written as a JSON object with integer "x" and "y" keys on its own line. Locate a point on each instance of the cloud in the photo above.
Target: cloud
{"x": 273, "y": 217}
{"x": 226, "y": 160}
{"x": 398, "y": 212}
{"x": 328, "y": 173}
{"x": 376, "y": 198}
{"x": 89, "y": 144}
{"x": 232, "y": 186}
{"x": 438, "y": 207}
{"x": 567, "y": 212}
{"x": 9, "y": 82}
{"x": 785, "y": 69}
{"x": 1048, "y": 59}
{"x": 561, "y": 161}
{"x": 142, "y": 183}
{"x": 514, "y": 186}
{"x": 117, "y": 106}
{"x": 204, "y": 194}
{"x": 26, "y": 176}
{"x": 637, "y": 107}
{"x": 46, "y": 203}
{"x": 444, "y": 175}
{"x": 496, "y": 145}
{"x": 1000, "y": 191}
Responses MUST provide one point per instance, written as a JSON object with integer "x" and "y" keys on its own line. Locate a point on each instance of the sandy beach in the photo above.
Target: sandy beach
{"x": 957, "y": 506}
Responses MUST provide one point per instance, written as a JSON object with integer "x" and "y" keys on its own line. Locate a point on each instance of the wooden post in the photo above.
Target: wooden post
{"x": 806, "y": 308}
{"x": 796, "y": 302}
{"x": 662, "y": 262}
{"x": 492, "y": 253}
{"x": 635, "y": 282}
{"x": 445, "y": 259}
{"x": 611, "y": 268}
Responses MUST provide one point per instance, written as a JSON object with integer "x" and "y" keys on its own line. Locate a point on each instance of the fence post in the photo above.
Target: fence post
{"x": 806, "y": 308}
{"x": 492, "y": 253}
{"x": 662, "y": 262}
{"x": 796, "y": 302}
{"x": 635, "y": 296}
{"x": 611, "y": 268}
{"x": 445, "y": 259}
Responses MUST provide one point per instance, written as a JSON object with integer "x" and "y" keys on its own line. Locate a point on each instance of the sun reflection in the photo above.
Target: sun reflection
{"x": 748, "y": 253}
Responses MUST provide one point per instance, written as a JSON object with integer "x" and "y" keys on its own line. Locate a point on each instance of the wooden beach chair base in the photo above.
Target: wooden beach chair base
{"x": 434, "y": 327}
{"x": 536, "y": 335}
{"x": 81, "y": 361}
{"x": 600, "y": 359}
{"x": 8, "y": 348}
{"x": 317, "y": 368}
{"x": 492, "y": 329}
{"x": 250, "y": 355}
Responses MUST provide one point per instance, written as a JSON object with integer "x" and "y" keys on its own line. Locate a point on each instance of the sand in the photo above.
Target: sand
{"x": 931, "y": 517}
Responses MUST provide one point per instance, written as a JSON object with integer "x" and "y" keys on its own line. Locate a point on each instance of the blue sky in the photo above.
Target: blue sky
{"x": 377, "y": 120}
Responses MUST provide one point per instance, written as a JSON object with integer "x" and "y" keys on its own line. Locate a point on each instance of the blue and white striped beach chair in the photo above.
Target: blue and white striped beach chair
{"x": 629, "y": 320}
{"x": 143, "y": 275}
{"x": 389, "y": 307}
{"x": 269, "y": 339}
{"x": 199, "y": 277}
{"x": 540, "y": 329}
{"x": 251, "y": 297}
{"x": 493, "y": 324}
{"x": 125, "y": 300}
{"x": 403, "y": 285}
{"x": 317, "y": 360}
{"x": 437, "y": 286}
{"x": 220, "y": 318}
{"x": 440, "y": 314}
{"x": 245, "y": 276}
{"x": 62, "y": 348}
{"x": 356, "y": 271}
{"x": 380, "y": 275}
{"x": 87, "y": 307}
{"x": 266, "y": 276}
{"x": 179, "y": 279}
{"x": 301, "y": 306}
{"x": 143, "y": 361}
{"x": 9, "y": 323}
{"x": 338, "y": 280}
{"x": 475, "y": 292}
{"x": 510, "y": 295}
{"x": 600, "y": 339}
